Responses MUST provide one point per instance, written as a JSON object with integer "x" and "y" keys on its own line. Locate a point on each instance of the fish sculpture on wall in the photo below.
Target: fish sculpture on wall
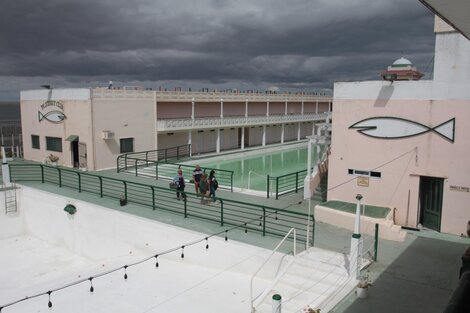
{"x": 396, "y": 128}
{"x": 52, "y": 116}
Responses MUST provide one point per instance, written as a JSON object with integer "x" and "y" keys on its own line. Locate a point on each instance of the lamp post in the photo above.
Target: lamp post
{"x": 356, "y": 248}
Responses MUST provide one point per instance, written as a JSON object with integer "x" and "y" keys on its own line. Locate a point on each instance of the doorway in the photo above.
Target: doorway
{"x": 75, "y": 155}
{"x": 431, "y": 190}
{"x": 82, "y": 155}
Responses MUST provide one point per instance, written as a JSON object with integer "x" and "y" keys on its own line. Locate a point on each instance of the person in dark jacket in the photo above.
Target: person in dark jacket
{"x": 179, "y": 180}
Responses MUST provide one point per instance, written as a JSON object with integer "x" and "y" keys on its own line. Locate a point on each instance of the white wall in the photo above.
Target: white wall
{"x": 452, "y": 61}
{"x": 101, "y": 233}
{"x": 11, "y": 224}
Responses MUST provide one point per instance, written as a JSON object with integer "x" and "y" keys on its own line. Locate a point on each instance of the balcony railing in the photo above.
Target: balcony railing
{"x": 235, "y": 121}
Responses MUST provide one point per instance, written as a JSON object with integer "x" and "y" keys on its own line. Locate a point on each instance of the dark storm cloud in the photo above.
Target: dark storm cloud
{"x": 293, "y": 44}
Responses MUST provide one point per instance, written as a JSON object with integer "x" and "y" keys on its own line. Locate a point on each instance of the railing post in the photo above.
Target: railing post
{"x": 221, "y": 212}
{"x": 79, "y": 182}
{"x": 267, "y": 186}
{"x": 376, "y": 243}
{"x": 117, "y": 163}
{"x": 42, "y": 173}
{"x": 60, "y": 177}
{"x": 264, "y": 222}
{"x": 101, "y": 186}
{"x": 313, "y": 231}
{"x": 147, "y": 158}
{"x": 277, "y": 188}
{"x": 296, "y": 182}
{"x": 125, "y": 190}
{"x": 185, "y": 204}
{"x": 136, "y": 173}
{"x": 156, "y": 170}
{"x": 125, "y": 161}
{"x": 153, "y": 197}
{"x": 231, "y": 181}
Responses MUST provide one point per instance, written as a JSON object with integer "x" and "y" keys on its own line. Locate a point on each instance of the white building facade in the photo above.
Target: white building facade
{"x": 90, "y": 127}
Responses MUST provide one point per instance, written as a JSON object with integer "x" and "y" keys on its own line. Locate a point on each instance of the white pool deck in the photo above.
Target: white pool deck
{"x": 43, "y": 248}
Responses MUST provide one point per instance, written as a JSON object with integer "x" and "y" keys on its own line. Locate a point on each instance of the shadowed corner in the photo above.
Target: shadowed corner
{"x": 384, "y": 95}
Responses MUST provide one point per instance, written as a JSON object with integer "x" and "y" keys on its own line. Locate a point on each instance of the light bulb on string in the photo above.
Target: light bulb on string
{"x": 156, "y": 260}
{"x": 49, "y": 304}
{"x": 207, "y": 244}
{"x": 182, "y": 252}
{"x": 226, "y": 238}
{"x": 125, "y": 271}
{"x": 91, "y": 284}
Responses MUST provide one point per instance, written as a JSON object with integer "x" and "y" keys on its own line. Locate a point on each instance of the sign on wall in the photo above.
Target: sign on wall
{"x": 363, "y": 181}
{"x": 52, "y": 111}
{"x": 395, "y": 128}
{"x": 459, "y": 188}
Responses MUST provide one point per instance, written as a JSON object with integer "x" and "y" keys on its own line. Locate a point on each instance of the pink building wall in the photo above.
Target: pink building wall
{"x": 402, "y": 161}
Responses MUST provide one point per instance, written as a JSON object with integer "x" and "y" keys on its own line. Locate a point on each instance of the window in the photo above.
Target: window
{"x": 126, "y": 145}
{"x": 35, "y": 142}
{"x": 364, "y": 173}
{"x": 54, "y": 144}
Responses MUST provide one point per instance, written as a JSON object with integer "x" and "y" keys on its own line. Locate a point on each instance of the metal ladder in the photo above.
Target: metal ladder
{"x": 11, "y": 203}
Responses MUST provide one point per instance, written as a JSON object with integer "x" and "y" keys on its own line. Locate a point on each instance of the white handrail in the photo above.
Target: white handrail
{"x": 249, "y": 177}
{"x": 264, "y": 263}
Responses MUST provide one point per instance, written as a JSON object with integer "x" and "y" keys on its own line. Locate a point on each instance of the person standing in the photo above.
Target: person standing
{"x": 213, "y": 185}
{"x": 197, "y": 174}
{"x": 179, "y": 180}
{"x": 204, "y": 188}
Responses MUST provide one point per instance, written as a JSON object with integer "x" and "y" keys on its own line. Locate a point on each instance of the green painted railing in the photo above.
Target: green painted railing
{"x": 126, "y": 161}
{"x": 285, "y": 184}
{"x": 168, "y": 170}
{"x": 260, "y": 218}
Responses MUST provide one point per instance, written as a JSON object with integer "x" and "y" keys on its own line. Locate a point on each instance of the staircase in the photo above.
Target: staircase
{"x": 315, "y": 277}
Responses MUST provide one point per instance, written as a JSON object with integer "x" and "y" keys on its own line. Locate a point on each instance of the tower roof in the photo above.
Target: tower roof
{"x": 402, "y": 62}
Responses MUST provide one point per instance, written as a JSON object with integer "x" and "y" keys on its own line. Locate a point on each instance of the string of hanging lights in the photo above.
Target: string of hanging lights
{"x": 126, "y": 266}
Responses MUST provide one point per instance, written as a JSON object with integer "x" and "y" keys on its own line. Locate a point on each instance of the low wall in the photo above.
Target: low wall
{"x": 100, "y": 233}
{"x": 387, "y": 230}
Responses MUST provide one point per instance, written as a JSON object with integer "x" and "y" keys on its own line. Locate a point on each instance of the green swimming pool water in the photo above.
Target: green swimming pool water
{"x": 250, "y": 171}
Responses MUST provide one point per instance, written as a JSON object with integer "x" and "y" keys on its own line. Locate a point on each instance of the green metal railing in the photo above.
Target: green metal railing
{"x": 285, "y": 184}
{"x": 168, "y": 170}
{"x": 260, "y": 218}
{"x": 126, "y": 161}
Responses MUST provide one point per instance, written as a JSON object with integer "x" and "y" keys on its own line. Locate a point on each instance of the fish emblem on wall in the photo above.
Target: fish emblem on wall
{"x": 52, "y": 116}
{"x": 396, "y": 128}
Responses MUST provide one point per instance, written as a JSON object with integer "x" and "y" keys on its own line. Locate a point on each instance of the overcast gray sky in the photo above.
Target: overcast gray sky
{"x": 245, "y": 44}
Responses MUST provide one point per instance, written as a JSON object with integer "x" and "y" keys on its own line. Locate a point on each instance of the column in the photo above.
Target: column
{"x": 243, "y": 138}
{"x": 316, "y": 107}
{"x": 302, "y": 109}
{"x": 217, "y": 144}
{"x": 190, "y": 140}
{"x": 283, "y": 126}
{"x": 355, "y": 254}
{"x": 221, "y": 108}
{"x": 329, "y": 106}
{"x": 267, "y": 108}
{"x": 192, "y": 111}
{"x": 285, "y": 109}
{"x": 298, "y": 132}
{"x": 264, "y": 136}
